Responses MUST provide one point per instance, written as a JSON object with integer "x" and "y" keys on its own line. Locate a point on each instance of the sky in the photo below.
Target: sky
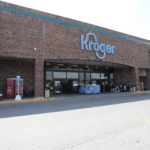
{"x": 127, "y": 16}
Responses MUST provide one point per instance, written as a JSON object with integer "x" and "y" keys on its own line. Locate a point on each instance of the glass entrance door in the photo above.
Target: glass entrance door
{"x": 57, "y": 87}
{"x": 75, "y": 86}
{"x": 105, "y": 86}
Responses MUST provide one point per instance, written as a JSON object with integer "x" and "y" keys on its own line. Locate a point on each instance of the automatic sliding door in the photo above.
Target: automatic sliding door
{"x": 105, "y": 86}
{"x": 57, "y": 87}
{"x": 75, "y": 86}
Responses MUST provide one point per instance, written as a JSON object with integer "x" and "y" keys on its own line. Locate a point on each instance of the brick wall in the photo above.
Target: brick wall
{"x": 143, "y": 79}
{"x": 20, "y": 34}
{"x": 122, "y": 76}
{"x": 148, "y": 78}
{"x": 11, "y": 68}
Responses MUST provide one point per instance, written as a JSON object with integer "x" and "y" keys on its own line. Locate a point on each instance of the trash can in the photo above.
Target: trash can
{"x": 47, "y": 93}
{"x": 1, "y": 96}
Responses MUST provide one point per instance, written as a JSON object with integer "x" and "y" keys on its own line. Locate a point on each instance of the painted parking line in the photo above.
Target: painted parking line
{"x": 83, "y": 100}
{"x": 101, "y": 101}
{"x": 97, "y": 97}
{"x": 74, "y": 99}
{"x": 124, "y": 114}
{"x": 134, "y": 118}
{"x": 146, "y": 118}
{"x": 144, "y": 115}
{"x": 92, "y": 100}
{"x": 23, "y": 101}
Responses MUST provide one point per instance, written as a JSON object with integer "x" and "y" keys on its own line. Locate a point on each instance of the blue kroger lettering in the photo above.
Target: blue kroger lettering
{"x": 102, "y": 47}
{"x": 85, "y": 42}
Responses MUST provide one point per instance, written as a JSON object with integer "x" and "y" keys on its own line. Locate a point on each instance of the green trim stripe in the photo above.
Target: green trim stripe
{"x": 69, "y": 23}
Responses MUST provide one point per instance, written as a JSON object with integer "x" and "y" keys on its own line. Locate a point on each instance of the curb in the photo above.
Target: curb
{"x": 22, "y": 101}
{"x": 140, "y": 92}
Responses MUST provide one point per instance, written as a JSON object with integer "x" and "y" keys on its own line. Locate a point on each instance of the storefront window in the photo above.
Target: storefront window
{"x": 95, "y": 75}
{"x": 106, "y": 82}
{"x": 81, "y": 78}
{"x": 104, "y": 75}
{"x": 72, "y": 75}
{"x": 103, "y": 83}
{"x": 111, "y": 76}
{"x": 74, "y": 67}
{"x": 59, "y": 75}
{"x": 95, "y": 69}
{"x": 49, "y": 65}
{"x": 87, "y": 68}
{"x": 82, "y": 74}
{"x": 75, "y": 83}
{"x": 69, "y": 67}
{"x": 57, "y": 85}
{"x": 80, "y": 67}
{"x": 49, "y": 80}
{"x": 93, "y": 82}
{"x": 62, "y": 66}
{"x": 88, "y": 78}
{"x": 55, "y": 66}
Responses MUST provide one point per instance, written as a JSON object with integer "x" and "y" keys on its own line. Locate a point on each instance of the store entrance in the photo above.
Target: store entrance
{"x": 70, "y": 86}
{"x": 105, "y": 86}
{"x": 66, "y": 86}
{"x": 57, "y": 87}
{"x": 75, "y": 86}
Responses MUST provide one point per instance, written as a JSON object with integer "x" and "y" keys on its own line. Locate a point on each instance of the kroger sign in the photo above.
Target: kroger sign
{"x": 97, "y": 47}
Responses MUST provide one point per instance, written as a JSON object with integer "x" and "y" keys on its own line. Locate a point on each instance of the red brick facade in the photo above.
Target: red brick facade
{"x": 20, "y": 34}
{"x": 10, "y": 68}
{"x": 122, "y": 76}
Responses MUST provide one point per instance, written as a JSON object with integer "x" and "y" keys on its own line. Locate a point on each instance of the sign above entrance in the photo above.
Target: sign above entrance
{"x": 97, "y": 47}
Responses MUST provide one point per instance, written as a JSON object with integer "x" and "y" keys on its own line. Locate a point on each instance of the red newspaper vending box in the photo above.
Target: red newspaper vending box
{"x": 10, "y": 88}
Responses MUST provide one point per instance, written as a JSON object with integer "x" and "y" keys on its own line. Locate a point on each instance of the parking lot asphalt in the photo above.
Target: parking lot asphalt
{"x": 78, "y": 122}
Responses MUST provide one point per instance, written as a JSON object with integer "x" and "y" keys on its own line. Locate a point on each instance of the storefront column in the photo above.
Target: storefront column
{"x": 135, "y": 78}
{"x": 39, "y": 78}
{"x": 148, "y": 78}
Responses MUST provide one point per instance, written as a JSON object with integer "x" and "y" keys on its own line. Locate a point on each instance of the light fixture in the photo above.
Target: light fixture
{"x": 35, "y": 49}
{"x": 74, "y": 65}
{"x": 61, "y": 64}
